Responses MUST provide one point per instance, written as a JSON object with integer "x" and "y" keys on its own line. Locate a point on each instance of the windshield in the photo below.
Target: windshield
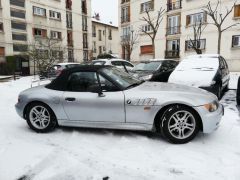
{"x": 147, "y": 66}
{"x": 98, "y": 62}
{"x": 121, "y": 78}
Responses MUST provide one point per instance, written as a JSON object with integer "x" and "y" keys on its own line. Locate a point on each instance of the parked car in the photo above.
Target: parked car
{"x": 119, "y": 63}
{"x": 154, "y": 70}
{"x": 107, "y": 97}
{"x": 56, "y": 70}
{"x": 209, "y": 72}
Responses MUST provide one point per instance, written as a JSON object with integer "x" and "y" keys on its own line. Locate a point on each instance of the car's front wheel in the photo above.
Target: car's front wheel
{"x": 180, "y": 124}
{"x": 40, "y": 117}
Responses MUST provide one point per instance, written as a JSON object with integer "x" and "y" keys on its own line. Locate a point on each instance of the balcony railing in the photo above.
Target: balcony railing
{"x": 125, "y": 19}
{"x": 173, "y": 30}
{"x": 174, "y": 5}
{"x": 125, "y": 38}
{"x": 172, "y": 54}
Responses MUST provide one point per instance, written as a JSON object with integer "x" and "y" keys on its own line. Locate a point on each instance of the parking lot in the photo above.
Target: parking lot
{"x": 77, "y": 153}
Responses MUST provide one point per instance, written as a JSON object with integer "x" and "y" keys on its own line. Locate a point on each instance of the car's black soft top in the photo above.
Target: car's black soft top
{"x": 61, "y": 81}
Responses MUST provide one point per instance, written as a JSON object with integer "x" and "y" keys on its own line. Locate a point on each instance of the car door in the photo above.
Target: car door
{"x": 82, "y": 101}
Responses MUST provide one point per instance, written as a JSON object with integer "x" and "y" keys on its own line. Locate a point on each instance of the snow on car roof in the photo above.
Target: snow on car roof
{"x": 198, "y": 64}
{"x": 204, "y": 56}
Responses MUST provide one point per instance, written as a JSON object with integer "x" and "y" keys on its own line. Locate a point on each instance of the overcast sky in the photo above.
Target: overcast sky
{"x": 108, "y": 10}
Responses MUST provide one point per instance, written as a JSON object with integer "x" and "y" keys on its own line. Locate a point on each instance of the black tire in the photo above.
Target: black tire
{"x": 238, "y": 92}
{"x": 218, "y": 91}
{"x": 168, "y": 119}
{"x": 50, "y": 125}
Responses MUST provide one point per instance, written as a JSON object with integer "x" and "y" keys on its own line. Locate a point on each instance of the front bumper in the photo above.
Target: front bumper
{"x": 19, "y": 109}
{"x": 210, "y": 120}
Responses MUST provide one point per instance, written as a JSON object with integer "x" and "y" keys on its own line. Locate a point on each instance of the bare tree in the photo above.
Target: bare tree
{"x": 129, "y": 42}
{"x": 44, "y": 52}
{"x": 154, "y": 23}
{"x": 195, "y": 42}
{"x": 218, "y": 19}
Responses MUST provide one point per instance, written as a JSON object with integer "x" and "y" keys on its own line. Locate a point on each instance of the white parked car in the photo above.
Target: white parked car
{"x": 208, "y": 71}
{"x": 119, "y": 63}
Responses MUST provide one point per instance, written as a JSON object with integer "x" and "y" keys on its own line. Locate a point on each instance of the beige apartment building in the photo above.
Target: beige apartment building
{"x": 105, "y": 38}
{"x": 172, "y": 40}
{"x": 22, "y": 21}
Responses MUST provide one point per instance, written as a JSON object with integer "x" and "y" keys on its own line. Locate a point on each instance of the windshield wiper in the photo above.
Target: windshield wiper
{"x": 134, "y": 85}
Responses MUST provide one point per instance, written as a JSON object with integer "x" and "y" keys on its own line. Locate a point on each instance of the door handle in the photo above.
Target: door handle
{"x": 70, "y": 99}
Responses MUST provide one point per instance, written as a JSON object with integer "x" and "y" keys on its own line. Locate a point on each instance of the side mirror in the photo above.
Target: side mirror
{"x": 97, "y": 89}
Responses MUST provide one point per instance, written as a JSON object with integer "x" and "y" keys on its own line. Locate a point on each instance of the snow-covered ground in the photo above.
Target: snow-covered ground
{"x": 79, "y": 154}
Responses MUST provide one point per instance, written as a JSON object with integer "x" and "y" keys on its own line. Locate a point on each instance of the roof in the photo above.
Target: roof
{"x": 104, "y": 23}
{"x": 204, "y": 56}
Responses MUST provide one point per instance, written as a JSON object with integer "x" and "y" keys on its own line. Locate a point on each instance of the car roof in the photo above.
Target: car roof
{"x": 204, "y": 56}
{"x": 67, "y": 63}
{"x": 107, "y": 60}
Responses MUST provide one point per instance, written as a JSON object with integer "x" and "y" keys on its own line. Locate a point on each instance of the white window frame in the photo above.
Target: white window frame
{"x": 54, "y": 15}
{"x": 202, "y": 45}
{"x": 146, "y": 6}
{"x": 236, "y": 38}
{"x": 196, "y": 18}
{"x": 55, "y": 35}
{"x": 147, "y": 28}
{"x": 39, "y": 11}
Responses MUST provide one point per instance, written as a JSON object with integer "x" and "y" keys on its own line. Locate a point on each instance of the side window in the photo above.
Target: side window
{"x": 166, "y": 66}
{"x": 82, "y": 82}
{"x": 106, "y": 85}
{"x": 117, "y": 63}
{"x": 221, "y": 63}
{"x": 128, "y": 64}
{"x": 225, "y": 63}
{"x": 88, "y": 82}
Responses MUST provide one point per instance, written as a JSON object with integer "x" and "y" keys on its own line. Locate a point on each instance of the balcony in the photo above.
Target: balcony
{"x": 125, "y": 19}
{"x": 125, "y": 38}
{"x": 172, "y": 54}
{"x": 174, "y": 5}
{"x": 173, "y": 30}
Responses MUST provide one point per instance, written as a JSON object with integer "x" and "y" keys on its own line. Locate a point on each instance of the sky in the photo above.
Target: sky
{"x": 108, "y": 10}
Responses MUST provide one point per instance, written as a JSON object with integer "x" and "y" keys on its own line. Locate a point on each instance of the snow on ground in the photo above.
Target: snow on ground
{"x": 77, "y": 153}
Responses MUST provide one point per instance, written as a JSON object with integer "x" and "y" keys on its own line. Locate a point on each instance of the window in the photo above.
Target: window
{"x": 70, "y": 38}
{"x": 147, "y": 28}
{"x": 94, "y": 47}
{"x": 69, "y": 20}
{"x": 70, "y": 55}
{"x": 99, "y": 35}
{"x": 84, "y": 23}
{"x": 56, "y": 35}
{"x": 1, "y": 27}
{"x": 39, "y": 32}
{"x": 18, "y": 14}
{"x": 196, "y": 18}
{"x": 174, "y": 4}
{"x": 85, "y": 40}
{"x": 84, "y": 6}
{"x": 147, "y": 6}
{"x": 173, "y": 25}
{"x": 125, "y": 14}
{"x": 237, "y": 10}
{"x": 69, "y": 4}
{"x": 19, "y": 26}
{"x": 2, "y": 51}
{"x": 94, "y": 31}
{"x": 124, "y": 1}
{"x": 19, "y": 37}
{"x": 173, "y": 49}
{"x": 39, "y": 11}
{"x": 88, "y": 82}
{"x": 100, "y": 49}
{"x": 57, "y": 54}
{"x": 55, "y": 15}
{"x": 199, "y": 44}
{"x": 109, "y": 34}
{"x": 20, "y": 47}
{"x": 147, "y": 49}
{"x": 20, "y": 3}
{"x": 236, "y": 41}
{"x": 85, "y": 55}
{"x": 125, "y": 33}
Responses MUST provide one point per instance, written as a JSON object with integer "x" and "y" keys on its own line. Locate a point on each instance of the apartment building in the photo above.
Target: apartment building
{"x": 23, "y": 21}
{"x": 105, "y": 38}
{"x": 176, "y": 29}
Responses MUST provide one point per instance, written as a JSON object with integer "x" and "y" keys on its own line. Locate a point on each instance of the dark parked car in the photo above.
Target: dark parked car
{"x": 154, "y": 70}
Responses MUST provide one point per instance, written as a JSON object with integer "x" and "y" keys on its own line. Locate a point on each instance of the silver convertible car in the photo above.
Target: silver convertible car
{"x": 107, "y": 97}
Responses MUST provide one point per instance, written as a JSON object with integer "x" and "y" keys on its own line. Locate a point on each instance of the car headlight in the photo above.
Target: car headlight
{"x": 211, "y": 107}
{"x": 146, "y": 78}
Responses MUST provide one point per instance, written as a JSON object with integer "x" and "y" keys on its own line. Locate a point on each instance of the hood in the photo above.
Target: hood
{"x": 171, "y": 93}
{"x": 194, "y": 77}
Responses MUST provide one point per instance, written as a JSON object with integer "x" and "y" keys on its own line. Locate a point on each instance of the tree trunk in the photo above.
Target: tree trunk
{"x": 219, "y": 40}
{"x": 153, "y": 47}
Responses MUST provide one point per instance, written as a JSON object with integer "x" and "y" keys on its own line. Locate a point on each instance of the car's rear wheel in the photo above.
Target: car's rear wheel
{"x": 180, "y": 124}
{"x": 40, "y": 117}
